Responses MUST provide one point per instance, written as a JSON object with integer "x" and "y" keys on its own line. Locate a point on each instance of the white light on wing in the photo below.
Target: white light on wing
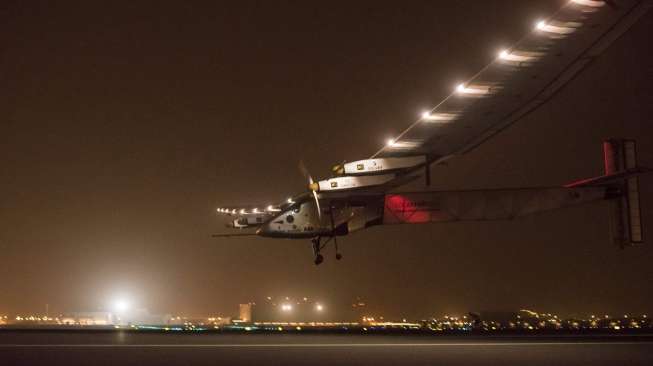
{"x": 404, "y": 144}
{"x": 592, "y": 3}
{"x": 518, "y": 56}
{"x": 272, "y": 209}
{"x": 439, "y": 117}
{"x": 476, "y": 90}
{"x": 557, "y": 27}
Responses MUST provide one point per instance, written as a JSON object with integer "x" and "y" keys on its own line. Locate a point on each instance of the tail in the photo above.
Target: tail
{"x": 621, "y": 172}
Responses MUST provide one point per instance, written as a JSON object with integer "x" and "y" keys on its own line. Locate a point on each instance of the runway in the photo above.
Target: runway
{"x": 129, "y": 348}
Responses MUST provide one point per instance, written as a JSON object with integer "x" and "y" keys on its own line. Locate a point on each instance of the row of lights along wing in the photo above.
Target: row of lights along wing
{"x": 242, "y": 211}
{"x": 462, "y": 88}
{"x": 504, "y": 55}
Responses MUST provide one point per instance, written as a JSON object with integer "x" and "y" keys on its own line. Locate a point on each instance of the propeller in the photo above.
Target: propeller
{"x": 312, "y": 186}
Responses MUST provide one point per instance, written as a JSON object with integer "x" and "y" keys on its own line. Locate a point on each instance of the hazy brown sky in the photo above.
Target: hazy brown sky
{"x": 123, "y": 125}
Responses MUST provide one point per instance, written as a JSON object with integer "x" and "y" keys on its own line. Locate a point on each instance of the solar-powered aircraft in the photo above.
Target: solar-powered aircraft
{"x": 363, "y": 193}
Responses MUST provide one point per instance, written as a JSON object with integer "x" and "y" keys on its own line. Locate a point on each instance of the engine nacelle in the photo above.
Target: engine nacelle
{"x": 350, "y": 182}
{"x": 247, "y": 221}
{"x": 378, "y": 166}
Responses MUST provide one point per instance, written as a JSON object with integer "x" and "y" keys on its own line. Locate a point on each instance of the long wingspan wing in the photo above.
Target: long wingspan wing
{"x": 520, "y": 79}
{"x": 516, "y": 83}
{"x": 248, "y": 216}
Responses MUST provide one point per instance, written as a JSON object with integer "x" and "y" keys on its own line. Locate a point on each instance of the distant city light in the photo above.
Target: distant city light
{"x": 523, "y": 319}
{"x": 121, "y": 305}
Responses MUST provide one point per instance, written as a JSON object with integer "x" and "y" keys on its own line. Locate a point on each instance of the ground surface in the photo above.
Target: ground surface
{"x": 126, "y": 348}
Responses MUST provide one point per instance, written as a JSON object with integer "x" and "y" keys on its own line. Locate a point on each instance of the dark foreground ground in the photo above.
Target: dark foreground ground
{"x": 138, "y": 348}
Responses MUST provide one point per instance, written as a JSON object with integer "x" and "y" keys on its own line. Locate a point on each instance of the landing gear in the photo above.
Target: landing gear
{"x": 316, "y": 251}
{"x": 335, "y": 243}
{"x": 318, "y": 246}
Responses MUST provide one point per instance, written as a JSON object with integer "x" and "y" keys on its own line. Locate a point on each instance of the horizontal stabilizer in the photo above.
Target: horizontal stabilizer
{"x": 227, "y": 235}
{"x": 613, "y": 178}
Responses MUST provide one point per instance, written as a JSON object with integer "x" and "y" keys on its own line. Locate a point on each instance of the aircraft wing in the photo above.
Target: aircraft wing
{"x": 518, "y": 81}
{"x": 248, "y": 215}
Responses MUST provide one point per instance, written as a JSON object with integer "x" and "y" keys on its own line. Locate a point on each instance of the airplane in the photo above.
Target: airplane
{"x": 362, "y": 193}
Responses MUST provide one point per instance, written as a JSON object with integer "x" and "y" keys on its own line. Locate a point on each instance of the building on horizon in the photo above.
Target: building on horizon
{"x": 245, "y": 312}
{"x": 87, "y": 318}
{"x": 285, "y": 309}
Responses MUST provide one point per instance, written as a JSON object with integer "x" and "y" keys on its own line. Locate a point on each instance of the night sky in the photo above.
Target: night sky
{"x": 123, "y": 125}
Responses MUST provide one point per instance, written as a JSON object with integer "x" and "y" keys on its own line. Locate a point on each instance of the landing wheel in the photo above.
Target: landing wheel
{"x": 316, "y": 245}
{"x": 338, "y": 256}
{"x": 318, "y": 259}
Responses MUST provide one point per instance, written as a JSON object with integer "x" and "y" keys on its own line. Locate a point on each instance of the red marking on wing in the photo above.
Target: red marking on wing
{"x": 405, "y": 210}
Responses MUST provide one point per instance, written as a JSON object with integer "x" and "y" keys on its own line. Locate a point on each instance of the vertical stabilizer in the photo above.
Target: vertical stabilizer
{"x": 626, "y": 220}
